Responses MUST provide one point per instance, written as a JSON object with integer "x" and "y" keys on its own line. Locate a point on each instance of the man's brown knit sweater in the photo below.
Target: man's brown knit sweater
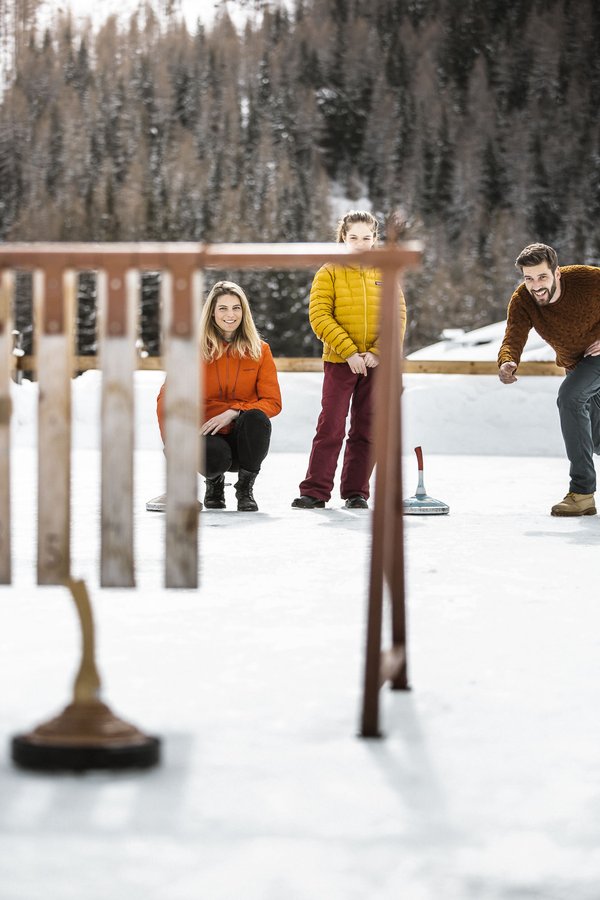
{"x": 569, "y": 325}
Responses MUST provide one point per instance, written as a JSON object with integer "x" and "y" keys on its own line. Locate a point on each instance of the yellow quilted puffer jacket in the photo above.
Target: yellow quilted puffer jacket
{"x": 344, "y": 310}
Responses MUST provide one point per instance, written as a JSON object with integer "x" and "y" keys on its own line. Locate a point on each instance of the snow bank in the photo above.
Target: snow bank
{"x": 477, "y": 415}
{"x": 445, "y": 414}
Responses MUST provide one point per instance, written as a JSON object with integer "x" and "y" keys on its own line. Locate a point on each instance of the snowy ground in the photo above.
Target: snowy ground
{"x": 487, "y": 785}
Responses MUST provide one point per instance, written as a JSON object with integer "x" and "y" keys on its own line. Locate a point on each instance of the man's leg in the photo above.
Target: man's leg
{"x": 575, "y": 396}
{"x": 358, "y": 455}
{"x": 595, "y": 421}
{"x": 339, "y": 382}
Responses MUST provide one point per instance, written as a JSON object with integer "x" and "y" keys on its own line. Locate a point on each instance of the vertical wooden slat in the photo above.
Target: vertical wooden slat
{"x": 55, "y": 295}
{"x": 118, "y": 291}
{"x": 181, "y": 298}
{"x": 7, "y": 282}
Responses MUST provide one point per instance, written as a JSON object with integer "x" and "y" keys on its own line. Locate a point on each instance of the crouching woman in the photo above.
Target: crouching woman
{"x": 241, "y": 395}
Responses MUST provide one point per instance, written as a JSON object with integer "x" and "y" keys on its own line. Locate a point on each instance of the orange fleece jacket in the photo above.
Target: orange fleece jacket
{"x": 569, "y": 325}
{"x": 235, "y": 382}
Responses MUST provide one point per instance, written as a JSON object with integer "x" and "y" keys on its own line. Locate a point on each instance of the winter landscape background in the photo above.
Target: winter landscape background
{"x": 474, "y": 121}
{"x": 475, "y": 124}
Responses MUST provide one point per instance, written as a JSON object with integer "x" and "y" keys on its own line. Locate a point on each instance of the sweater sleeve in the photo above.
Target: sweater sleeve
{"x": 267, "y": 387}
{"x": 320, "y": 314}
{"x": 518, "y": 326}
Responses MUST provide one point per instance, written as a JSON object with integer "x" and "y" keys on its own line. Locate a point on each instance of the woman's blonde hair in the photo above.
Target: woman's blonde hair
{"x": 246, "y": 340}
{"x": 355, "y": 215}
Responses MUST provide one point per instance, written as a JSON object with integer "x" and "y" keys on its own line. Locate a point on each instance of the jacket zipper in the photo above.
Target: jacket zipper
{"x": 362, "y": 275}
{"x": 225, "y": 392}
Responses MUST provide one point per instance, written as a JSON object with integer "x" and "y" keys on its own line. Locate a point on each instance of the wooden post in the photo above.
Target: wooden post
{"x": 7, "y": 286}
{"x": 387, "y": 550}
{"x": 118, "y": 291}
{"x": 386, "y": 448}
{"x": 181, "y": 300}
{"x": 55, "y": 294}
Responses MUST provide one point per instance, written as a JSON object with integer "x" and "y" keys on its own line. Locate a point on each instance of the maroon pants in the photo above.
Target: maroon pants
{"x": 340, "y": 386}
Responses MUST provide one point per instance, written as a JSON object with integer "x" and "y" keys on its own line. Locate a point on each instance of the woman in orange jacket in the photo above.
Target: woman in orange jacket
{"x": 241, "y": 394}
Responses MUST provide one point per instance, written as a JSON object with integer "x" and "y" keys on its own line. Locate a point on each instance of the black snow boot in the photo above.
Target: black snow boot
{"x": 243, "y": 491}
{"x": 214, "y": 495}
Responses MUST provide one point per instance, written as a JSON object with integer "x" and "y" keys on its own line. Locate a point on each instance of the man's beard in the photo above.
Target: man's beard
{"x": 547, "y": 296}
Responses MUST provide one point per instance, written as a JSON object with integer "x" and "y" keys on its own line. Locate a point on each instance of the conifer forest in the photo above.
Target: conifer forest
{"x": 474, "y": 121}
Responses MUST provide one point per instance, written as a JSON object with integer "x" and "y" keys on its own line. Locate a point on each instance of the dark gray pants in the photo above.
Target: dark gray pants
{"x": 579, "y": 409}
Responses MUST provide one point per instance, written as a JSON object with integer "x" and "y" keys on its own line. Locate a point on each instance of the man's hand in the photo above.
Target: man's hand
{"x": 371, "y": 360}
{"x": 357, "y": 364}
{"x": 211, "y": 426}
{"x": 593, "y": 349}
{"x": 506, "y": 373}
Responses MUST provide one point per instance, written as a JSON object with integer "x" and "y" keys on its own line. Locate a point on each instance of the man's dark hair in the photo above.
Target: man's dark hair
{"x": 534, "y": 254}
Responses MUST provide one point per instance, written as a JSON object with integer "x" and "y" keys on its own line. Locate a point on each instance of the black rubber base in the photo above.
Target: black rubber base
{"x": 55, "y": 758}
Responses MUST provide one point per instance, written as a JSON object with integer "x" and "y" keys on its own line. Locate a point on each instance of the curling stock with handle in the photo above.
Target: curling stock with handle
{"x": 421, "y": 504}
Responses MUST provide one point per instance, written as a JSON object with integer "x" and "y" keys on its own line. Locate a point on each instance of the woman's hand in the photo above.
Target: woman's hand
{"x": 211, "y": 426}
{"x": 357, "y": 364}
{"x": 371, "y": 360}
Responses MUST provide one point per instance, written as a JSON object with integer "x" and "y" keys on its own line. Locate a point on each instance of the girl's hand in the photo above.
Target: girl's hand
{"x": 357, "y": 364}
{"x": 371, "y": 360}
{"x": 211, "y": 426}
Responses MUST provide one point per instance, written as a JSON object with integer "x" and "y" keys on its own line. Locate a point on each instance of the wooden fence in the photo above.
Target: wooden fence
{"x": 54, "y": 268}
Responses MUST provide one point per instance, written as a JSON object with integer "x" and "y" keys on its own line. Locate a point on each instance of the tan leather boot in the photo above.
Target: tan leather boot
{"x": 575, "y": 505}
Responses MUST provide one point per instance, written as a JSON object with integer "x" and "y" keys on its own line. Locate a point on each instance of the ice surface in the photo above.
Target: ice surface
{"x": 487, "y": 785}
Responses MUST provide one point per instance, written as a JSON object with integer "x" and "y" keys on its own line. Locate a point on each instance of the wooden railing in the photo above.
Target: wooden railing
{"x": 119, "y": 267}
{"x": 474, "y": 367}
{"x": 315, "y": 364}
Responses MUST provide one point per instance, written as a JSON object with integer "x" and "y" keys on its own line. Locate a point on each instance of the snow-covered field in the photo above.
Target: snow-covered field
{"x": 487, "y": 785}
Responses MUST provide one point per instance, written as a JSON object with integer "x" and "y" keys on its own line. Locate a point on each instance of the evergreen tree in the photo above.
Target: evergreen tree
{"x": 478, "y": 117}
{"x": 55, "y": 165}
{"x": 494, "y": 177}
{"x": 543, "y": 209}
{"x": 444, "y": 175}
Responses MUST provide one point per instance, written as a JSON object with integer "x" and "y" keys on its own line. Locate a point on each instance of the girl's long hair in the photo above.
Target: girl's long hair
{"x": 246, "y": 340}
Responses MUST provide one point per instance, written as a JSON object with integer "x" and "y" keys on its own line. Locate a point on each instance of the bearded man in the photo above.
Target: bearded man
{"x": 563, "y": 305}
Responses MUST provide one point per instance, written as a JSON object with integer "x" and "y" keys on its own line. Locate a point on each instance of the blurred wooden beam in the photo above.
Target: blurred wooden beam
{"x": 315, "y": 364}
{"x": 157, "y": 256}
{"x": 474, "y": 367}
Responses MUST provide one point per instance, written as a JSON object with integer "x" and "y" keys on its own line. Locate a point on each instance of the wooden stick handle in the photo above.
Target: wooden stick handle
{"x": 419, "y": 453}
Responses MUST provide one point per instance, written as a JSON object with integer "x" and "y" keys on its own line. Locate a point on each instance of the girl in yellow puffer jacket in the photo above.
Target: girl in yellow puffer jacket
{"x": 344, "y": 314}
